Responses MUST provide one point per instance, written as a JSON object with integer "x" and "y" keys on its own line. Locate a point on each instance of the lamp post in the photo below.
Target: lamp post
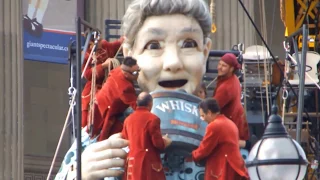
{"x": 276, "y": 156}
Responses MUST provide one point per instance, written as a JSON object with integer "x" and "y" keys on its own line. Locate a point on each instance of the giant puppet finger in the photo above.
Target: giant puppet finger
{"x": 116, "y": 136}
{"x": 111, "y": 143}
{"x": 108, "y": 154}
{"x": 115, "y": 164}
{"x": 95, "y": 170}
{"x": 103, "y": 173}
{"x": 98, "y": 158}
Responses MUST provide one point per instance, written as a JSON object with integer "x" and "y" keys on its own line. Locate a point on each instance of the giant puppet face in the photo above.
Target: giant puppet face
{"x": 171, "y": 53}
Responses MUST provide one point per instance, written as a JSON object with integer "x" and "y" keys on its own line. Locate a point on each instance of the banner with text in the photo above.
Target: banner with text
{"x": 48, "y": 29}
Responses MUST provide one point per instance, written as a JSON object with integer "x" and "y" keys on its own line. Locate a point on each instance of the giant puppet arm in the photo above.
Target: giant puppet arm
{"x": 98, "y": 158}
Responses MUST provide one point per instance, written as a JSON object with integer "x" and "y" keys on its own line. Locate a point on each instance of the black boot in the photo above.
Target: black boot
{"x": 27, "y": 26}
{"x": 38, "y": 28}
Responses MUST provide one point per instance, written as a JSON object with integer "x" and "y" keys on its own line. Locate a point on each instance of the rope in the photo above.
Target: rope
{"x": 282, "y": 12}
{"x": 213, "y": 16}
{"x": 67, "y": 117}
{"x": 71, "y": 89}
{"x": 115, "y": 63}
{"x": 61, "y": 136}
{"x": 272, "y": 24}
{"x": 212, "y": 82}
{"x": 244, "y": 85}
{"x": 86, "y": 66}
{"x": 263, "y": 34}
{"x": 259, "y": 75}
{"x": 242, "y": 72}
{"x": 284, "y": 89}
{"x": 286, "y": 72}
{"x": 260, "y": 87}
{"x": 265, "y": 60}
{"x": 93, "y": 83}
{"x": 92, "y": 94}
{"x": 261, "y": 24}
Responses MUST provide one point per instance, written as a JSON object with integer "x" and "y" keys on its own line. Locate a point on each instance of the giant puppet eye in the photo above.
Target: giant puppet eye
{"x": 153, "y": 45}
{"x": 188, "y": 43}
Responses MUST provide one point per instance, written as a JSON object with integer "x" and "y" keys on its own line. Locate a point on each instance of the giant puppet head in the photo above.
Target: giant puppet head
{"x": 170, "y": 40}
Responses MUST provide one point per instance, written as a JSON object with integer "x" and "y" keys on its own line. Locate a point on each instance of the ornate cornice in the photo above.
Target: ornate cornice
{"x": 40, "y": 164}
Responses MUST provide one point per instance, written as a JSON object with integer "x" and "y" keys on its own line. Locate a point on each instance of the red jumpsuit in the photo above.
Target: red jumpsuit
{"x": 115, "y": 96}
{"x": 142, "y": 129}
{"x": 107, "y": 50}
{"x": 228, "y": 96}
{"x": 220, "y": 148}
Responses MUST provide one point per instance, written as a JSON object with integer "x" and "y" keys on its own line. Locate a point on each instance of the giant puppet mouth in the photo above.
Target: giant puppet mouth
{"x": 173, "y": 84}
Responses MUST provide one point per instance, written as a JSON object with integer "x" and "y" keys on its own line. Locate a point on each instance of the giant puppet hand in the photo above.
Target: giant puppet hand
{"x": 167, "y": 140}
{"x": 100, "y": 157}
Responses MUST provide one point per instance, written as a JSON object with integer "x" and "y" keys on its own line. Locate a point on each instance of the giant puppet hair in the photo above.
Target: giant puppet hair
{"x": 139, "y": 10}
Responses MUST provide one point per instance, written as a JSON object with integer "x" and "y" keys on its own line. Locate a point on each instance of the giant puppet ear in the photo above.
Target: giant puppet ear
{"x": 127, "y": 50}
{"x": 206, "y": 51}
{"x": 206, "y": 48}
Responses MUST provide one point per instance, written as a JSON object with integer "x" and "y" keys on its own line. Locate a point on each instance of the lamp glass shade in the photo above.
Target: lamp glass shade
{"x": 277, "y": 149}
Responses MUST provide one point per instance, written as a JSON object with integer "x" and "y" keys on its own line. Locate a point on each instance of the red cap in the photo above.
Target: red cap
{"x": 231, "y": 60}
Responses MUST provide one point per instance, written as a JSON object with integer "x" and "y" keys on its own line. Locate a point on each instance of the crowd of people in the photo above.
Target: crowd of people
{"x": 165, "y": 44}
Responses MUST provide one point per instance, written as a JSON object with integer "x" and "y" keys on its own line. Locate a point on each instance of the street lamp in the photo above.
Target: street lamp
{"x": 276, "y": 156}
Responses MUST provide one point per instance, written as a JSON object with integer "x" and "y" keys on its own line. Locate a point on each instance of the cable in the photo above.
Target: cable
{"x": 273, "y": 57}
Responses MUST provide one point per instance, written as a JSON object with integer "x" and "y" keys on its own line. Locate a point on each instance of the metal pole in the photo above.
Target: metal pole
{"x": 78, "y": 96}
{"x": 296, "y": 50}
{"x": 88, "y": 25}
{"x": 220, "y": 53}
{"x": 86, "y": 45}
{"x": 296, "y": 33}
{"x": 302, "y": 81}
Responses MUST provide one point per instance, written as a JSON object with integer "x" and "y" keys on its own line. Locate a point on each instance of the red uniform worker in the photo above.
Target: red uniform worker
{"x": 104, "y": 51}
{"x": 115, "y": 96}
{"x": 228, "y": 94}
{"x": 220, "y": 145}
{"x": 142, "y": 129}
